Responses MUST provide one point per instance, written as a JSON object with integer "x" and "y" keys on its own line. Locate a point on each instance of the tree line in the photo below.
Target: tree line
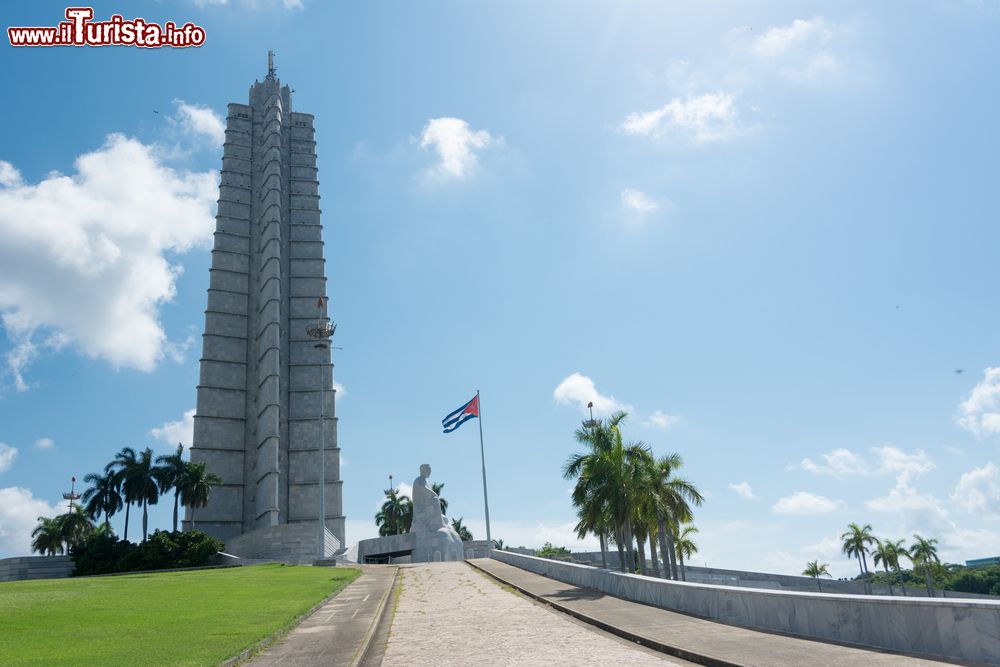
{"x": 859, "y": 542}
{"x": 130, "y": 478}
{"x": 628, "y": 497}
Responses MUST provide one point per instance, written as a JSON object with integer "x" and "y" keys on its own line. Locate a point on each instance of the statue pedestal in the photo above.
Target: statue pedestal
{"x": 443, "y": 544}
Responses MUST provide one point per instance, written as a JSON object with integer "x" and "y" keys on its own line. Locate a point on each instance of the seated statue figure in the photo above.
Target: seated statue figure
{"x": 435, "y": 539}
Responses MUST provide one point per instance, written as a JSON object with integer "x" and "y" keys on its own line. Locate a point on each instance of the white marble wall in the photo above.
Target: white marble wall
{"x": 966, "y": 630}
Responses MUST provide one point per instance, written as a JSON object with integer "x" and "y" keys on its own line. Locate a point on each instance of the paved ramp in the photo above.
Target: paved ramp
{"x": 695, "y": 639}
{"x": 338, "y": 632}
{"x": 450, "y": 614}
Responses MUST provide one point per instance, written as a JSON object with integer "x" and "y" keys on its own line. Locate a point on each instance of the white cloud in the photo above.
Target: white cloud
{"x": 839, "y": 462}
{"x": 180, "y": 431}
{"x": 340, "y": 389}
{"x": 660, "y": 419}
{"x": 978, "y": 492}
{"x": 701, "y": 119}
{"x": 578, "y": 389}
{"x": 885, "y": 460}
{"x": 744, "y": 490}
{"x": 84, "y": 258}
{"x": 638, "y": 202}
{"x": 45, "y": 443}
{"x": 200, "y": 121}
{"x": 804, "y": 52}
{"x": 980, "y": 412}
{"x": 903, "y": 497}
{"x": 19, "y": 512}
{"x": 7, "y": 456}
{"x": 456, "y": 145}
{"x": 9, "y": 176}
{"x": 803, "y": 502}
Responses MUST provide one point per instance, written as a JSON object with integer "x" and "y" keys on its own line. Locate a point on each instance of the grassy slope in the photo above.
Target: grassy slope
{"x": 180, "y": 618}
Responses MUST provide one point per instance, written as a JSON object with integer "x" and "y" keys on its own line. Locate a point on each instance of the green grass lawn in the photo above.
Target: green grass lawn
{"x": 176, "y": 618}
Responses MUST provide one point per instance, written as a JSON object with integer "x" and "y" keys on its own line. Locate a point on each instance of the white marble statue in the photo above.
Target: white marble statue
{"x": 435, "y": 539}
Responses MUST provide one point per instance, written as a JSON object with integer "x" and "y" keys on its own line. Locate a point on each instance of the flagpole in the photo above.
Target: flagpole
{"x": 482, "y": 454}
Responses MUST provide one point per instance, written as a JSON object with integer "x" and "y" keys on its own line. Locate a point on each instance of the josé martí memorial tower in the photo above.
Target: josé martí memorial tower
{"x": 266, "y": 354}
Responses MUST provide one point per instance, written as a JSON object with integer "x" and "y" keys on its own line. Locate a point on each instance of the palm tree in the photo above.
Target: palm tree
{"x": 462, "y": 531}
{"x": 896, "y": 550}
{"x": 686, "y": 547}
{"x": 884, "y": 553}
{"x": 498, "y": 544}
{"x": 173, "y": 468}
{"x": 104, "y": 496}
{"x": 75, "y": 526}
{"x": 673, "y": 496}
{"x": 143, "y": 480}
{"x": 855, "y": 543}
{"x": 593, "y": 518}
{"x": 47, "y": 537}
{"x": 815, "y": 569}
{"x": 124, "y": 461}
{"x": 436, "y": 488}
{"x": 604, "y": 476}
{"x": 196, "y": 487}
{"x": 396, "y": 514}
{"x": 923, "y": 553}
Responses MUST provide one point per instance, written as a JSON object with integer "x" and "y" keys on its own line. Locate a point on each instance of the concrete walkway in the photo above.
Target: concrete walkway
{"x": 451, "y": 614}
{"x": 338, "y": 633}
{"x": 694, "y": 639}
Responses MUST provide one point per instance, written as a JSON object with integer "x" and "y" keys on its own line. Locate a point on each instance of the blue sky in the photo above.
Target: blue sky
{"x": 767, "y": 231}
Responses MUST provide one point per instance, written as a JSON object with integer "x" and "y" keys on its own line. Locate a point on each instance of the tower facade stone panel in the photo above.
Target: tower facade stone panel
{"x": 257, "y": 420}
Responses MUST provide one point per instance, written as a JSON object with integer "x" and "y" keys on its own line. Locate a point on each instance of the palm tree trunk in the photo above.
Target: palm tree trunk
{"x": 899, "y": 576}
{"x": 192, "y": 517}
{"x": 175, "y": 509}
{"x": 673, "y": 551}
{"x": 629, "y": 553}
{"x": 868, "y": 583}
{"x": 661, "y": 527}
{"x": 652, "y": 555}
{"x": 604, "y": 550}
{"x": 621, "y": 548}
{"x": 128, "y": 506}
{"x": 820, "y": 584}
{"x": 641, "y": 543}
{"x": 680, "y": 558}
{"x": 885, "y": 566}
{"x": 862, "y": 569}
{"x": 927, "y": 578}
{"x": 145, "y": 520}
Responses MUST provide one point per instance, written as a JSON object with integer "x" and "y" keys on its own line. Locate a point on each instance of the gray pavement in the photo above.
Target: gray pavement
{"x": 338, "y": 632}
{"x": 450, "y": 614}
{"x": 683, "y": 636}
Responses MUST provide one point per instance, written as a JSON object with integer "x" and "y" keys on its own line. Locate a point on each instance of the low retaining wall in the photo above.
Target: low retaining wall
{"x": 286, "y": 542}
{"x": 35, "y": 567}
{"x": 966, "y": 630}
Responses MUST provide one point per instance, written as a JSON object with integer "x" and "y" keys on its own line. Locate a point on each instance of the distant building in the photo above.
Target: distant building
{"x": 983, "y": 562}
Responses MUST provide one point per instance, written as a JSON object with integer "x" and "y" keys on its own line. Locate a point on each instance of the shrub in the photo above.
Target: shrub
{"x": 104, "y": 554}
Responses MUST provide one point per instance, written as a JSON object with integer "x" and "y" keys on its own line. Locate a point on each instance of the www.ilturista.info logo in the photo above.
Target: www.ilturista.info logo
{"x": 80, "y": 30}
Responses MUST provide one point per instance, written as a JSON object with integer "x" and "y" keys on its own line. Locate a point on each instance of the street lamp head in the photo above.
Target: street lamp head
{"x": 322, "y": 330}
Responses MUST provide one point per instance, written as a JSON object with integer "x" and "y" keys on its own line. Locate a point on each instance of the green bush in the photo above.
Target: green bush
{"x": 549, "y": 551}
{"x": 104, "y": 554}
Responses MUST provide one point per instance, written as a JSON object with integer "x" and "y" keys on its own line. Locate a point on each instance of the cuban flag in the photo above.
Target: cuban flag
{"x": 468, "y": 411}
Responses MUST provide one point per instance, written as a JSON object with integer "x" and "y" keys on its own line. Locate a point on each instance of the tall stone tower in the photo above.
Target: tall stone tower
{"x": 257, "y": 423}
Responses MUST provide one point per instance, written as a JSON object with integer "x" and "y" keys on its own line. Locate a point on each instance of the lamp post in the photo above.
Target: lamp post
{"x": 590, "y": 423}
{"x": 72, "y": 495}
{"x": 322, "y": 331}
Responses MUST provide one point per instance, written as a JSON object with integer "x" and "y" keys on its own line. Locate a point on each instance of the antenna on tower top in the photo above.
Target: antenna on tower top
{"x": 270, "y": 66}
